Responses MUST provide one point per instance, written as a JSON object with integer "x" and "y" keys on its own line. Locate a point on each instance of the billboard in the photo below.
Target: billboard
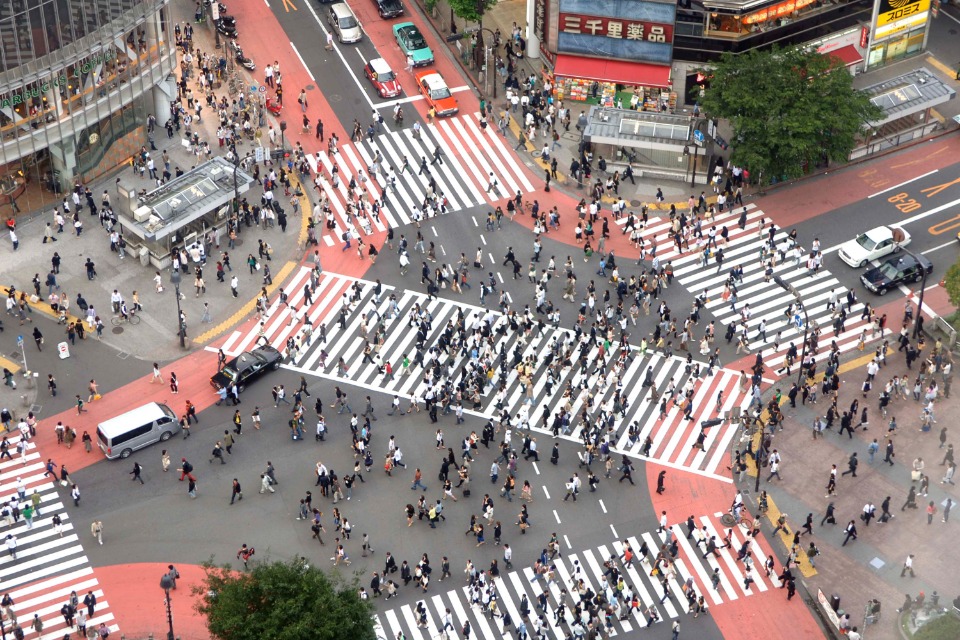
{"x": 633, "y": 30}
{"x": 898, "y": 15}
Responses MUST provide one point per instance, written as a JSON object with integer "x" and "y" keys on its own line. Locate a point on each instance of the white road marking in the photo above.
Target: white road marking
{"x": 952, "y": 243}
{"x": 928, "y": 173}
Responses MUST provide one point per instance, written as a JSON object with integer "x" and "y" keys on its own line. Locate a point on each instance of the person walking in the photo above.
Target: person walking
{"x": 851, "y": 532}
{"x": 96, "y": 530}
{"x": 236, "y": 494}
{"x": 908, "y": 566}
{"x": 137, "y": 469}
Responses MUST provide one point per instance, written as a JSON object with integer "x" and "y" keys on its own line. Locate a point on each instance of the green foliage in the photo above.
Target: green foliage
{"x": 790, "y": 109}
{"x": 946, "y": 627}
{"x": 951, "y": 282}
{"x": 285, "y": 601}
{"x": 471, "y": 10}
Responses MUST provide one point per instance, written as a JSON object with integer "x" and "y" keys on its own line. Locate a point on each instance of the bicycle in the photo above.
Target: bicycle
{"x": 131, "y": 318}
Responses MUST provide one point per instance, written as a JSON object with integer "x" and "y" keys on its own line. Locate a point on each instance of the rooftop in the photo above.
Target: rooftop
{"x": 622, "y": 125}
{"x": 187, "y": 198}
{"x": 909, "y": 94}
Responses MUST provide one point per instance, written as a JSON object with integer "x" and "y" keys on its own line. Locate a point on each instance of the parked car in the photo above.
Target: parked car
{"x": 412, "y": 43}
{"x": 382, "y": 77}
{"x": 344, "y": 23}
{"x": 247, "y": 367}
{"x": 435, "y": 90}
{"x": 894, "y": 272}
{"x": 389, "y": 8}
{"x": 873, "y": 245}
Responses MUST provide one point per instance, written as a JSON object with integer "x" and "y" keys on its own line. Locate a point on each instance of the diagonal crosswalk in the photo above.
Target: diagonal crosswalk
{"x": 766, "y": 299}
{"x": 468, "y": 156}
{"x": 49, "y": 564}
{"x": 564, "y": 369}
{"x": 593, "y": 568}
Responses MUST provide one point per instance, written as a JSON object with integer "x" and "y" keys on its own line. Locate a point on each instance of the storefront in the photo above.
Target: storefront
{"x": 613, "y": 83}
{"x": 615, "y": 54}
{"x": 847, "y": 47}
{"x": 734, "y": 20}
{"x": 899, "y": 31}
{"x": 78, "y": 108}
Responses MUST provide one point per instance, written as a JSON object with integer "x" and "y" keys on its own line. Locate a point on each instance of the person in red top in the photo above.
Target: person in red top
{"x": 245, "y": 553}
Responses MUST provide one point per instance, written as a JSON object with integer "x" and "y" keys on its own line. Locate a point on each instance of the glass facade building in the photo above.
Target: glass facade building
{"x": 78, "y": 79}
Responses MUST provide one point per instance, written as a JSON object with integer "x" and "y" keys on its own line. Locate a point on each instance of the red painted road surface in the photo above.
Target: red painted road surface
{"x": 134, "y": 595}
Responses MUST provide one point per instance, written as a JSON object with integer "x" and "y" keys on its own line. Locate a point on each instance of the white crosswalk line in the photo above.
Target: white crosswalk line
{"x": 672, "y": 437}
{"x": 48, "y": 567}
{"x": 468, "y": 156}
{"x": 511, "y": 586}
{"x": 767, "y": 300}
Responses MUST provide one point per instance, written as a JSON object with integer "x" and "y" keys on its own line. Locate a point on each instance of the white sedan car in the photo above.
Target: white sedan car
{"x": 873, "y": 244}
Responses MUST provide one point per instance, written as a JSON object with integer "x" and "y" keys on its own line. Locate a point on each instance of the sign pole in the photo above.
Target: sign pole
{"x": 23, "y": 353}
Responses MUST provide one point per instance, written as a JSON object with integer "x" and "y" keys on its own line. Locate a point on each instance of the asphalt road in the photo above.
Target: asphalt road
{"x": 158, "y": 522}
{"x": 928, "y": 207}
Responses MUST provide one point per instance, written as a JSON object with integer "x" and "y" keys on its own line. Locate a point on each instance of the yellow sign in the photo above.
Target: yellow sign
{"x": 904, "y": 10}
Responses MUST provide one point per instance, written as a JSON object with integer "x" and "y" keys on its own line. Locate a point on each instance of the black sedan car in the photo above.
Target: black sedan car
{"x": 389, "y": 8}
{"x": 895, "y": 271}
{"x": 247, "y": 367}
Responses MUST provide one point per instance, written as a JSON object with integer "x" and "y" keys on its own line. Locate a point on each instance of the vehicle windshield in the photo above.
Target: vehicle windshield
{"x": 415, "y": 40}
{"x": 865, "y": 242}
{"x": 348, "y": 23}
{"x": 385, "y": 76}
{"x": 440, "y": 93}
{"x": 889, "y": 271}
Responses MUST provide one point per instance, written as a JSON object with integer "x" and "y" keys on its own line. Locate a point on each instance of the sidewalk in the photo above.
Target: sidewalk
{"x": 868, "y": 567}
{"x": 502, "y": 17}
{"x": 155, "y": 338}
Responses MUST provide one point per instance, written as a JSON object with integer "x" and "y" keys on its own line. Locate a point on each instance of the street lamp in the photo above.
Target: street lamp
{"x": 166, "y": 583}
{"x": 789, "y": 288}
{"x": 175, "y": 278}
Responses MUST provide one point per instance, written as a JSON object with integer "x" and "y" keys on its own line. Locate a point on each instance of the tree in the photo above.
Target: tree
{"x": 283, "y": 600}
{"x": 471, "y": 10}
{"x": 790, "y": 109}
{"x": 951, "y": 282}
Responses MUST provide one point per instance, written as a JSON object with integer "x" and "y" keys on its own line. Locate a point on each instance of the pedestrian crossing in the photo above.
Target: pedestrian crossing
{"x": 766, "y": 299}
{"x": 469, "y": 154}
{"x": 673, "y": 440}
{"x": 49, "y": 565}
{"x": 588, "y": 566}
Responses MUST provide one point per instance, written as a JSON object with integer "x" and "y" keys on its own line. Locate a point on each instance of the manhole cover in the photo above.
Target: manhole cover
{"x": 727, "y": 520}
{"x": 16, "y": 355}
{"x": 310, "y": 87}
{"x": 636, "y": 203}
{"x": 117, "y": 330}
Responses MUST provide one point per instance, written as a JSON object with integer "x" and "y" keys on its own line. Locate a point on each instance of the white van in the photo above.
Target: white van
{"x": 119, "y": 437}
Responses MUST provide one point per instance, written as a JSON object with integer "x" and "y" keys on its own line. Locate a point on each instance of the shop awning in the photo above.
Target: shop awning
{"x": 848, "y": 54}
{"x": 619, "y": 71}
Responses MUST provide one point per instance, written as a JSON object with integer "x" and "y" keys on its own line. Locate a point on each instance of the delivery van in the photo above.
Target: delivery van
{"x": 120, "y": 436}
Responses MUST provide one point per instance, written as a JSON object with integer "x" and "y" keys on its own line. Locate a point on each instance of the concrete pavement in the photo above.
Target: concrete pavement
{"x": 155, "y": 337}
